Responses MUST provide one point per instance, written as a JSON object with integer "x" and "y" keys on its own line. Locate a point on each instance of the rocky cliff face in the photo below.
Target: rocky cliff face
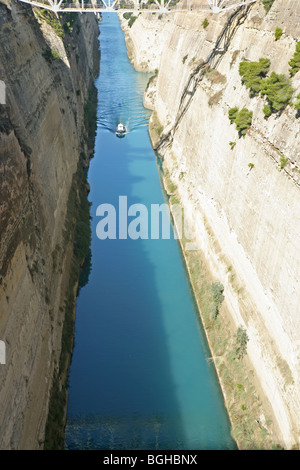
{"x": 48, "y": 70}
{"x": 241, "y": 202}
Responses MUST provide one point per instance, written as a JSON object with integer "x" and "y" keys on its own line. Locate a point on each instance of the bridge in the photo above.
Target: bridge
{"x": 136, "y": 6}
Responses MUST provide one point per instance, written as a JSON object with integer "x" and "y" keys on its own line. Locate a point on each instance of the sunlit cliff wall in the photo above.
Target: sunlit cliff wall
{"x": 245, "y": 219}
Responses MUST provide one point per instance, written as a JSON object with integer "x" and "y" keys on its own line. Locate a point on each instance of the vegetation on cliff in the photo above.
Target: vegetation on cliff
{"x": 253, "y": 73}
{"x": 130, "y": 17}
{"x": 242, "y": 119}
{"x": 267, "y": 4}
{"x": 77, "y": 233}
{"x": 228, "y": 349}
{"x": 295, "y": 61}
{"x": 277, "y": 88}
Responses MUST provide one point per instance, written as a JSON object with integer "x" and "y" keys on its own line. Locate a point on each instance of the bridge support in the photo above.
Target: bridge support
{"x": 115, "y": 6}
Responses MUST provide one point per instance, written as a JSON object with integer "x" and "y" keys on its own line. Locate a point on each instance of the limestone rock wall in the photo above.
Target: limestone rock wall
{"x": 243, "y": 218}
{"x": 42, "y": 135}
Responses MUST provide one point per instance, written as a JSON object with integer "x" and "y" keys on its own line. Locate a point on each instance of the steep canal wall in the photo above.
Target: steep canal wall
{"x": 49, "y": 65}
{"x": 240, "y": 196}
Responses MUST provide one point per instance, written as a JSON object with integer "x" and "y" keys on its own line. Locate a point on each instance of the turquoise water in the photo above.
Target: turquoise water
{"x": 139, "y": 377}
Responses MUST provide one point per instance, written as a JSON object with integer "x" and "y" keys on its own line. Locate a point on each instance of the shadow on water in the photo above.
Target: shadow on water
{"x": 139, "y": 378}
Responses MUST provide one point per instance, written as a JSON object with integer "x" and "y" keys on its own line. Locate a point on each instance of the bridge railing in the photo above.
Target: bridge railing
{"x": 214, "y": 6}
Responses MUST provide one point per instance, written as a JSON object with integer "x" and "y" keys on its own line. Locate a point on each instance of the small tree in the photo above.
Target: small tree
{"x": 297, "y": 103}
{"x": 278, "y": 33}
{"x": 267, "y": 110}
{"x": 278, "y": 89}
{"x": 253, "y": 73}
{"x": 294, "y": 63}
{"x": 283, "y": 161}
{"x": 205, "y": 23}
{"x": 241, "y": 340}
{"x": 267, "y": 4}
{"x": 242, "y": 119}
{"x": 217, "y": 290}
{"x": 232, "y": 114}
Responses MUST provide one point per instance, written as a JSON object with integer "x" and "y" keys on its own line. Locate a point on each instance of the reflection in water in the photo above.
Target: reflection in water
{"x": 139, "y": 378}
{"x": 116, "y": 432}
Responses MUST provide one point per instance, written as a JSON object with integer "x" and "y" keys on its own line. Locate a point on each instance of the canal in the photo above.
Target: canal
{"x": 139, "y": 377}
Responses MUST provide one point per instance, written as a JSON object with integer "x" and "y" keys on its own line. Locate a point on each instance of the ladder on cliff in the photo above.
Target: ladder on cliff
{"x": 136, "y": 6}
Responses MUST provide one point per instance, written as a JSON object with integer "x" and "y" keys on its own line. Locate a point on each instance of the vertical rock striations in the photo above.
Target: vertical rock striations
{"x": 49, "y": 66}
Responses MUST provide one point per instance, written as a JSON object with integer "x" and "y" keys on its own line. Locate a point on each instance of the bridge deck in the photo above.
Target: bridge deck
{"x": 115, "y": 6}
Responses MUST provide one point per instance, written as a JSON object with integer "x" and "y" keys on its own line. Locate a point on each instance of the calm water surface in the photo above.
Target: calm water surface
{"x": 139, "y": 377}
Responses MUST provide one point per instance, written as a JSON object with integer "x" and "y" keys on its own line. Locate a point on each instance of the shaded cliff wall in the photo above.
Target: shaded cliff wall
{"x": 48, "y": 72}
{"x": 245, "y": 219}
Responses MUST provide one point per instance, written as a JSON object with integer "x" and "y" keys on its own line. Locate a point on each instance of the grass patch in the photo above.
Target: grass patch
{"x": 242, "y": 402}
{"x": 216, "y": 77}
{"x": 214, "y": 99}
{"x": 156, "y": 124}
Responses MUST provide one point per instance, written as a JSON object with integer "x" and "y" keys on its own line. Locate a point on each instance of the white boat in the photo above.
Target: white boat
{"x": 121, "y": 130}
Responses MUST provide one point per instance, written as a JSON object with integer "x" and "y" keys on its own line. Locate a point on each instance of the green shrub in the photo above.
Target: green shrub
{"x": 232, "y": 114}
{"x": 294, "y": 63}
{"x": 241, "y": 340}
{"x": 278, "y": 89}
{"x": 151, "y": 78}
{"x": 217, "y": 290}
{"x": 283, "y": 161}
{"x": 69, "y": 20}
{"x": 242, "y": 119}
{"x": 131, "y": 20}
{"x": 184, "y": 58}
{"x": 205, "y": 23}
{"x": 253, "y": 73}
{"x": 50, "y": 55}
{"x": 267, "y": 4}
{"x": 267, "y": 110}
{"x": 52, "y": 20}
{"x": 278, "y": 33}
{"x": 297, "y": 103}
{"x": 251, "y": 165}
{"x": 127, "y": 15}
